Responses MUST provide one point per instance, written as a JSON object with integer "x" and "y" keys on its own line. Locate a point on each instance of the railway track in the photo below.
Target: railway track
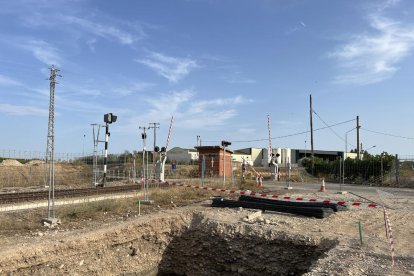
{"x": 7, "y": 198}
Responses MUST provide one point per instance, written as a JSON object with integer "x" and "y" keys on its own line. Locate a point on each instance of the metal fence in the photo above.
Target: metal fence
{"x": 375, "y": 170}
{"x": 20, "y": 168}
{"x": 27, "y": 169}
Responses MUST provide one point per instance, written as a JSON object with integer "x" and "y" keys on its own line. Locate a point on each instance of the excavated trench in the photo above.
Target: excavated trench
{"x": 208, "y": 247}
{"x": 199, "y": 253}
{"x": 181, "y": 243}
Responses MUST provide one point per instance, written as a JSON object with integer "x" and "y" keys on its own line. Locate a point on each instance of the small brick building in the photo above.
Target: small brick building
{"x": 214, "y": 160}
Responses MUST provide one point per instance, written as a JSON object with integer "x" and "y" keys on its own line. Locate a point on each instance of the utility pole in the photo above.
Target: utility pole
{"x": 154, "y": 126}
{"x": 50, "y": 151}
{"x": 382, "y": 167}
{"x": 358, "y": 148}
{"x": 311, "y": 127}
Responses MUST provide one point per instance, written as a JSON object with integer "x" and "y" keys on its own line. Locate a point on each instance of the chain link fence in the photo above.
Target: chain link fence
{"x": 379, "y": 170}
{"x": 27, "y": 169}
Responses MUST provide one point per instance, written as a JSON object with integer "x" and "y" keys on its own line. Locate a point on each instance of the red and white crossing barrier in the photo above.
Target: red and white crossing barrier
{"x": 279, "y": 197}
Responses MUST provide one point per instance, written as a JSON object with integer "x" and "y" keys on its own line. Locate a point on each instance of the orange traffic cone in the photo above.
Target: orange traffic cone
{"x": 323, "y": 188}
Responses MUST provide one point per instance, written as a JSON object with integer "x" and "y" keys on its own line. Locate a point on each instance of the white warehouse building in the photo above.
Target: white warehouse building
{"x": 182, "y": 155}
{"x": 284, "y": 157}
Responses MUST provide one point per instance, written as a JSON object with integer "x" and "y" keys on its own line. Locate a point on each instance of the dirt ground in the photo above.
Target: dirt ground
{"x": 115, "y": 235}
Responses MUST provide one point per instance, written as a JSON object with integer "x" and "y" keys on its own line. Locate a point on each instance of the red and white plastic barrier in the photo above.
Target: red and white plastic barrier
{"x": 280, "y": 197}
{"x": 388, "y": 232}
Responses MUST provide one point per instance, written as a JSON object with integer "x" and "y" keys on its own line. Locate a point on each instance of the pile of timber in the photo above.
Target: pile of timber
{"x": 308, "y": 209}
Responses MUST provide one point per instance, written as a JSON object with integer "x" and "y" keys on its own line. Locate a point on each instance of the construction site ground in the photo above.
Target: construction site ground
{"x": 180, "y": 234}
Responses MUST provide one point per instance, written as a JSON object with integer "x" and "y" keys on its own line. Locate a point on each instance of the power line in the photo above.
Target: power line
{"x": 285, "y": 136}
{"x": 333, "y": 131}
{"x": 388, "y": 134}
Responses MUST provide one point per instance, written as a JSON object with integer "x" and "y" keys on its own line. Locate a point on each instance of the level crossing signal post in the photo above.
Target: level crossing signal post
{"x": 275, "y": 165}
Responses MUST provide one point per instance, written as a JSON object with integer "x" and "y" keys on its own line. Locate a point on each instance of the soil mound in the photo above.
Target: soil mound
{"x": 35, "y": 163}
{"x": 11, "y": 162}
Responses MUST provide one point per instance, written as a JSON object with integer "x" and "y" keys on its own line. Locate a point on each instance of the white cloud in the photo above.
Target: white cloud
{"x": 189, "y": 112}
{"x": 133, "y": 87}
{"x": 205, "y": 119}
{"x": 295, "y": 28}
{"x": 22, "y": 110}
{"x": 44, "y": 52}
{"x": 172, "y": 68}
{"x": 6, "y": 81}
{"x": 104, "y": 31}
{"x": 70, "y": 90}
{"x": 201, "y": 106}
{"x": 372, "y": 58}
{"x": 167, "y": 104}
{"x": 386, "y": 4}
{"x": 91, "y": 44}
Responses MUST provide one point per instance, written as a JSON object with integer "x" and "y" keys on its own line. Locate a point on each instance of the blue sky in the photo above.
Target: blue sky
{"x": 218, "y": 66}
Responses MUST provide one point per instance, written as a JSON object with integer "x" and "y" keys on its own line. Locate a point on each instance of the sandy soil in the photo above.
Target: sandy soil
{"x": 83, "y": 249}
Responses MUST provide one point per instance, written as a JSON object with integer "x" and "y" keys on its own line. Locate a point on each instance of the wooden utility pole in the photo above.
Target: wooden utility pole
{"x": 358, "y": 148}
{"x": 311, "y": 128}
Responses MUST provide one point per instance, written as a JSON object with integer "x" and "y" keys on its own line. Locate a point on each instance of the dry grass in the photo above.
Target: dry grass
{"x": 33, "y": 174}
{"x": 178, "y": 196}
{"x": 248, "y": 184}
{"x": 72, "y": 215}
{"x": 15, "y": 222}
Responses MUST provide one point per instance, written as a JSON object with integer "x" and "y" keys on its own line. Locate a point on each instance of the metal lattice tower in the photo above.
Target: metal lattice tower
{"x": 50, "y": 148}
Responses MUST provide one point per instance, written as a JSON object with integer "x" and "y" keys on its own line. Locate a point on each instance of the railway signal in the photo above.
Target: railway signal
{"x": 109, "y": 118}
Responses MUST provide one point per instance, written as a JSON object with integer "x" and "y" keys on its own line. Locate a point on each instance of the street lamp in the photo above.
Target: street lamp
{"x": 83, "y": 146}
{"x": 305, "y": 148}
{"x": 370, "y": 148}
{"x": 346, "y": 142}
